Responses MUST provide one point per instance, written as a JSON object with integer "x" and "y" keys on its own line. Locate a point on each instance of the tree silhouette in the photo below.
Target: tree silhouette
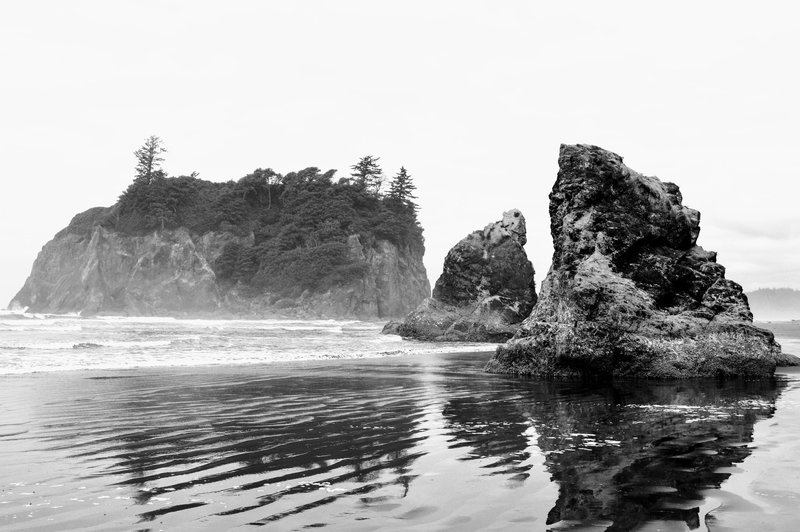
{"x": 148, "y": 159}
{"x": 401, "y": 190}
{"x": 368, "y": 174}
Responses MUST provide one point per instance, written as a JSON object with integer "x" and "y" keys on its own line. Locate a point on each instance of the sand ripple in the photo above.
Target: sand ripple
{"x": 409, "y": 442}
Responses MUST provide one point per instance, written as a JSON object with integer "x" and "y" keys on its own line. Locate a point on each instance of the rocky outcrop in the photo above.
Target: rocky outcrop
{"x": 170, "y": 272}
{"x": 394, "y": 282}
{"x": 104, "y": 272}
{"x": 484, "y": 292}
{"x": 629, "y": 292}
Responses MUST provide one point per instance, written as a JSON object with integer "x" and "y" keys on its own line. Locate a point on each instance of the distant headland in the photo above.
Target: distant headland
{"x": 775, "y": 304}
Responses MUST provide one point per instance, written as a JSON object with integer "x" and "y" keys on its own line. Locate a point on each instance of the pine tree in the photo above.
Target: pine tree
{"x": 148, "y": 159}
{"x": 401, "y": 189}
{"x": 368, "y": 174}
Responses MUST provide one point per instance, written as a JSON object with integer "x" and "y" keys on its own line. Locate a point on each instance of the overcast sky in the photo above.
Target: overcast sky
{"x": 473, "y": 98}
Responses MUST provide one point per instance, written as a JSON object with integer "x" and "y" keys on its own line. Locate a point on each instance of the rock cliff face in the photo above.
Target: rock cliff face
{"x": 629, "y": 292}
{"x": 170, "y": 273}
{"x": 484, "y": 292}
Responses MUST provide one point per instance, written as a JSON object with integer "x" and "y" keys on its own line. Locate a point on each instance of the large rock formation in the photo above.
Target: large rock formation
{"x": 170, "y": 272}
{"x": 629, "y": 292}
{"x": 484, "y": 292}
{"x": 394, "y": 281}
{"x": 106, "y": 272}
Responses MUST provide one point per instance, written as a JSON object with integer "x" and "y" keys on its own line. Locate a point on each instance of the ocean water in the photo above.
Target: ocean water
{"x": 40, "y": 342}
{"x": 352, "y": 430}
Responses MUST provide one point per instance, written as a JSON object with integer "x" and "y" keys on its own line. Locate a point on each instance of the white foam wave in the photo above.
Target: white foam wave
{"x": 138, "y": 319}
{"x": 217, "y": 358}
{"x": 85, "y": 344}
{"x": 337, "y": 330}
{"x": 117, "y": 342}
{"x": 53, "y": 327}
{"x": 24, "y": 314}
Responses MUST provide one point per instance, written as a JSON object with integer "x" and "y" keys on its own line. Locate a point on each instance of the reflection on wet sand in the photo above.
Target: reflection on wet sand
{"x": 416, "y": 442}
{"x": 299, "y": 434}
{"x": 622, "y": 454}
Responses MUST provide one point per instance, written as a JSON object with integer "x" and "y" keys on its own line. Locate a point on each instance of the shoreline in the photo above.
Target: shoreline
{"x": 431, "y": 440}
{"x": 303, "y": 363}
{"x": 326, "y": 364}
{"x": 69, "y": 343}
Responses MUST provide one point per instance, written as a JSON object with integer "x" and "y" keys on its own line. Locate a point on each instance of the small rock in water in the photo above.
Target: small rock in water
{"x": 485, "y": 291}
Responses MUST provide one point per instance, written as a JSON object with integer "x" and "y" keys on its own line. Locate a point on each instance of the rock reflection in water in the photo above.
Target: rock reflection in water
{"x": 622, "y": 454}
{"x": 427, "y": 443}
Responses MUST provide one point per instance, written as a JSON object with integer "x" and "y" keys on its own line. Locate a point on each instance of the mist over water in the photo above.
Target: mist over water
{"x": 420, "y": 442}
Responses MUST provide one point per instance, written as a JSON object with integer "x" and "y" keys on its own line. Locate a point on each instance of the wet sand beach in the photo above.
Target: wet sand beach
{"x": 418, "y": 442}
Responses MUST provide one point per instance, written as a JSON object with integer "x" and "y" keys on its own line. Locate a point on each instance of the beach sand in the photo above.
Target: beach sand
{"x": 422, "y": 442}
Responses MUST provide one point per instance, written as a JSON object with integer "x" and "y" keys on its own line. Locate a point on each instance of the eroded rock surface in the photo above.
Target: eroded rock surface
{"x": 163, "y": 272}
{"x": 170, "y": 272}
{"x": 629, "y": 292}
{"x": 486, "y": 288}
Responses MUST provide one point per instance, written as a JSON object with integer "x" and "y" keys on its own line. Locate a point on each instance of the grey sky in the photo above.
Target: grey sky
{"x": 473, "y": 98}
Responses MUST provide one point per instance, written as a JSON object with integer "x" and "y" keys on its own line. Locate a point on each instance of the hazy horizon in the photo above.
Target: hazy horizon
{"x": 473, "y": 98}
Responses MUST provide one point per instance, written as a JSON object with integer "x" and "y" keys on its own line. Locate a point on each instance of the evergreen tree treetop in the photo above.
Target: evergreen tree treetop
{"x": 401, "y": 189}
{"x": 368, "y": 173}
{"x": 295, "y": 227}
{"x": 149, "y": 159}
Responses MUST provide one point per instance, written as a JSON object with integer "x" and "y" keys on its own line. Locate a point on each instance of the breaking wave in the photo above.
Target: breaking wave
{"x": 35, "y": 343}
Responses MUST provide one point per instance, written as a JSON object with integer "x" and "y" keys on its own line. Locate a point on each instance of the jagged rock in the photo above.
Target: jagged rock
{"x": 629, "y": 292}
{"x": 169, "y": 272}
{"x": 395, "y": 281}
{"x": 484, "y": 292}
{"x": 105, "y": 272}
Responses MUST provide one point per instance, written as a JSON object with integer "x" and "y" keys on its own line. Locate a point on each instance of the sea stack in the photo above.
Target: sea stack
{"x": 293, "y": 246}
{"x": 629, "y": 293}
{"x": 485, "y": 291}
